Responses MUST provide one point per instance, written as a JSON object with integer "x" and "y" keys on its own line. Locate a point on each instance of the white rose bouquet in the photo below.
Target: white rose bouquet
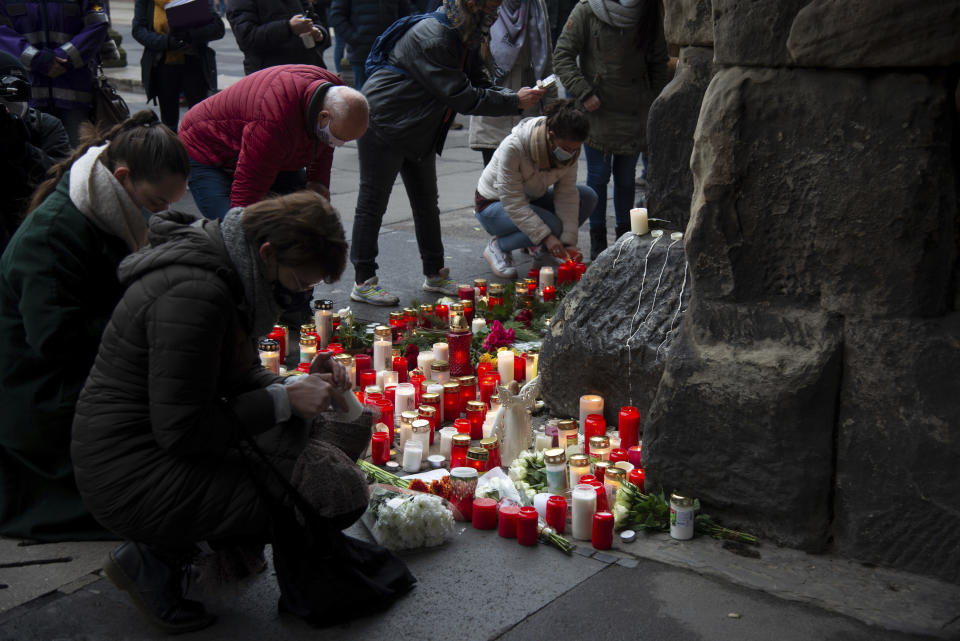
{"x": 401, "y": 521}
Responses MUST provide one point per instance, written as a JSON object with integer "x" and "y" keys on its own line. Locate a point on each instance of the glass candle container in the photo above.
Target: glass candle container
{"x": 308, "y": 328}
{"x": 462, "y": 426}
{"x": 601, "y": 494}
{"x": 451, "y": 401}
{"x": 565, "y": 427}
{"x": 468, "y": 390}
{"x": 446, "y": 441}
{"x": 480, "y": 284}
{"x": 270, "y": 355}
{"x": 599, "y": 448}
{"x": 380, "y": 448}
{"x": 420, "y": 432}
{"x": 617, "y": 454}
{"x": 477, "y": 458}
{"x": 557, "y": 513}
{"x": 637, "y": 477}
{"x": 635, "y": 455}
{"x": 494, "y": 295}
{"x": 410, "y": 319}
{"x": 459, "y": 444}
{"x": 441, "y": 352}
{"x": 541, "y": 441}
{"x": 555, "y": 460}
{"x": 405, "y": 398}
{"x": 519, "y": 367}
{"x": 507, "y": 525}
{"x": 628, "y": 425}
{"x": 584, "y": 499}
{"x": 382, "y": 347}
{"x": 362, "y": 362}
{"x": 406, "y": 427}
{"x": 549, "y": 293}
{"x": 572, "y": 445}
{"x": 484, "y": 515}
{"x": 399, "y": 365}
{"x": 441, "y": 371}
{"x": 590, "y": 404}
{"x": 505, "y": 366}
{"x": 487, "y": 386}
{"x": 614, "y": 440}
{"x": 459, "y": 339}
{"x": 323, "y": 320}
{"x": 416, "y": 379}
{"x": 492, "y": 446}
{"x": 368, "y": 378}
{"x": 425, "y": 363}
{"x": 476, "y": 414}
{"x": 527, "y": 521}
{"x": 308, "y": 348}
{"x": 432, "y": 399}
{"x": 279, "y": 334}
{"x": 612, "y": 481}
{"x": 624, "y": 465}
{"x": 681, "y": 517}
{"x": 593, "y": 426}
{"x": 463, "y": 483}
{"x": 602, "y": 531}
{"x": 442, "y": 313}
{"x": 429, "y": 414}
{"x": 469, "y": 308}
{"x": 346, "y": 360}
{"x": 465, "y": 292}
{"x": 385, "y": 408}
{"x": 412, "y": 456}
{"x": 390, "y": 393}
{"x": 579, "y": 466}
{"x": 397, "y": 326}
{"x": 425, "y": 316}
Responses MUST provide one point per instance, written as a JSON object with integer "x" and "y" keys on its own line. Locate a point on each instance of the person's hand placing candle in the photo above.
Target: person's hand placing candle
{"x": 312, "y": 395}
{"x": 324, "y": 363}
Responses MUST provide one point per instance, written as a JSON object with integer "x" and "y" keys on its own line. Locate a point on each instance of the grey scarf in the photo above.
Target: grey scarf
{"x": 518, "y": 22}
{"x": 623, "y": 14}
{"x": 246, "y": 260}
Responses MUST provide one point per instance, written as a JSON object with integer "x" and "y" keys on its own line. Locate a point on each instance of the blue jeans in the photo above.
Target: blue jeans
{"x": 338, "y": 45}
{"x": 359, "y": 70}
{"x": 495, "y": 219}
{"x": 599, "y": 167}
{"x": 210, "y": 187}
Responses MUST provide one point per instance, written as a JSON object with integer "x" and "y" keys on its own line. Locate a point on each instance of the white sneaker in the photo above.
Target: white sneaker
{"x": 441, "y": 283}
{"x": 501, "y": 262}
{"x": 369, "y": 291}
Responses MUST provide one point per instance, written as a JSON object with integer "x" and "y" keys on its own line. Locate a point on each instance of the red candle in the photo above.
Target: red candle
{"x": 400, "y": 367}
{"x": 618, "y": 454}
{"x": 527, "y": 526}
{"x": 484, "y": 368}
{"x": 368, "y": 377}
{"x": 363, "y": 363}
{"x": 602, "y": 533}
{"x": 589, "y": 479}
{"x": 519, "y": 367}
{"x": 484, "y": 514}
{"x": 416, "y": 379}
{"x": 579, "y": 269}
{"x": 466, "y": 292}
{"x": 429, "y": 414}
{"x": 278, "y": 334}
{"x": 386, "y": 414}
{"x": 635, "y": 455}
{"x": 380, "y": 447}
{"x": 390, "y": 393}
{"x": 549, "y": 293}
{"x": 451, "y": 401}
{"x": 488, "y": 387}
{"x": 458, "y": 450}
{"x": 458, "y": 344}
{"x": 476, "y": 413}
{"x": 557, "y": 513}
{"x": 638, "y": 477}
{"x": 468, "y": 390}
{"x": 629, "y": 426}
{"x": 336, "y": 348}
{"x": 442, "y": 312}
{"x": 601, "y": 494}
{"x": 594, "y": 425}
{"x": 462, "y": 425}
{"x": 533, "y": 273}
{"x": 303, "y": 367}
{"x": 507, "y": 527}
{"x": 565, "y": 272}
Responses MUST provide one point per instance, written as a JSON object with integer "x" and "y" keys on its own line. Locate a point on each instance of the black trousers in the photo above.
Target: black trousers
{"x": 172, "y": 80}
{"x": 379, "y": 165}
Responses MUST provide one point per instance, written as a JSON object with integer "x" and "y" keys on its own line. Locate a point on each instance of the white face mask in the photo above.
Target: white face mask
{"x": 562, "y": 154}
{"x": 327, "y": 138}
{"x": 17, "y": 108}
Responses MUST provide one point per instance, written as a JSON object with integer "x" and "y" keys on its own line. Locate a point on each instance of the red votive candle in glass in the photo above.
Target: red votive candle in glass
{"x": 386, "y": 414}
{"x": 618, "y": 454}
{"x": 534, "y": 273}
{"x": 484, "y": 514}
{"x": 336, "y": 348}
{"x": 638, "y": 477}
{"x": 380, "y": 448}
{"x": 363, "y": 363}
{"x": 476, "y": 413}
{"x": 462, "y": 425}
{"x": 442, "y": 312}
{"x": 602, "y": 533}
{"x": 628, "y": 426}
{"x": 416, "y": 379}
{"x": 519, "y": 367}
{"x": 507, "y": 526}
{"x": 579, "y": 269}
{"x": 635, "y": 455}
{"x": 557, "y": 513}
{"x": 549, "y": 293}
{"x": 466, "y": 292}
{"x": 488, "y": 387}
{"x": 459, "y": 445}
{"x": 565, "y": 272}
{"x": 451, "y": 401}
{"x": 587, "y": 479}
{"x": 368, "y": 377}
{"x": 484, "y": 368}
{"x": 390, "y": 393}
{"x": 400, "y": 367}
{"x": 468, "y": 390}
{"x": 527, "y": 526}
{"x": 429, "y": 414}
{"x": 594, "y": 425}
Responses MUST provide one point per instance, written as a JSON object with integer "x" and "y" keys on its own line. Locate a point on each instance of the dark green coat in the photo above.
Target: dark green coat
{"x": 614, "y": 68}
{"x": 58, "y": 287}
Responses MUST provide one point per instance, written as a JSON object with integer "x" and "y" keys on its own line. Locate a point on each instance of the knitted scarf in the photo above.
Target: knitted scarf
{"x": 100, "y": 197}
{"x": 249, "y": 266}
{"x": 160, "y": 26}
{"x": 519, "y": 22}
{"x": 624, "y": 14}
{"x": 478, "y": 24}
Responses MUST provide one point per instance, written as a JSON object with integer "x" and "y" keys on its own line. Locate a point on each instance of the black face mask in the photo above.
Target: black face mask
{"x": 288, "y": 300}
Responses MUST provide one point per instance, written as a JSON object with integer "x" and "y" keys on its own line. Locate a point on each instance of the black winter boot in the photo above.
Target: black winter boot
{"x": 598, "y": 242}
{"x": 156, "y": 587}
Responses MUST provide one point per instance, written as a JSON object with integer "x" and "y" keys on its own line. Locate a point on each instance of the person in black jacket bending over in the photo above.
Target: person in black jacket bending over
{"x": 359, "y": 22}
{"x": 433, "y": 72}
{"x": 277, "y": 32}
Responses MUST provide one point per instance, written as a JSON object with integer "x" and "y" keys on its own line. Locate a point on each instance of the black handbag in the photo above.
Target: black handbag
{"x": 109, "y": 107}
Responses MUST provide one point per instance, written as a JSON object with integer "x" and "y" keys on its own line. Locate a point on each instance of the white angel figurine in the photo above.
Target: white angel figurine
{"x": 514, "y": 425}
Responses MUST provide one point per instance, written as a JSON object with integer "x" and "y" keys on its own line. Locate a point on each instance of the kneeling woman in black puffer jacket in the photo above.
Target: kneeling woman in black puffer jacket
{"x": 177, "y": 384}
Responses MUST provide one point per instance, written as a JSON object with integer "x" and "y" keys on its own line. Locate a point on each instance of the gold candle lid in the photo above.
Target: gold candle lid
{"x": 397, "y": 316}
{"x": 308, "y": 328}
{"x": 410, "y": 415}
{"x": 490, "y": 443}
{"x": 479, "y": 282}
{"x": 372, "y": 389}
{"x": 495, "y": 288}
{"x": 476, "y": 405}
{"x": 461, "y": 440}
{"x": 268, "y": 345}
{"x": 421, "y": 425}
{"x": 599, "y": 442}
{"x": 681, "y": 500}
{"x": 566, "y": 424}
{"x": 616, "y": 474}
{"x": 456, "y": 308}
{"x": 451, "y": 387}
{"x": 555, "y": 455}
{"x": 426, "y": 309}
{"x": 427, "y": 409}
{"x": 440, "y": 366}
{"x": 431, "y": 398}
{"x": 382, "y": 331}
{"x": 579, "y": 460}
{"x": 344, "y": 359}
{"x": 467, "y": 381}
{"x": 308, "y": 340}
{"x": 478, "y": 454}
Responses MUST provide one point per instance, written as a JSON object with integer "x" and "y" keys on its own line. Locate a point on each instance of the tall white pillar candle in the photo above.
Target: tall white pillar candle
{"x": 446, "y": 440}
{"x": 639, "y": 224}
{"x": 532, "y": 366}
{"x": 441, "y": 352}
{"x": 382, "y": 351}
{"x": 589, "y": 404}
{"x": 424, "y": 362}
{"x": 404, "y": 398}
{"x": 505, "y": 367}
{"x": 546, "y": 277}
{"x": 412, "y": 456}
{"x": 584, "y": 505}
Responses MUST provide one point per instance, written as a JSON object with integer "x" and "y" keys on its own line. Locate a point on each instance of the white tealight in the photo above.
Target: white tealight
{"x": 677, "y": 235}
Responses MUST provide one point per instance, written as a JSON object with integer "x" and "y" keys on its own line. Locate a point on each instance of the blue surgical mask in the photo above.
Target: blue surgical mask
{"x": 146, "y": 213}
{"x": 561, "y": 154}
{"x": 327, "y": 138}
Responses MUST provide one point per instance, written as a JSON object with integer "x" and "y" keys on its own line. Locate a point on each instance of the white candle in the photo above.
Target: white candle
{"x": 425, "y": 362}
{"x": 625, "y": 466}
{"x": 446, "y": 440}
{"x": 584, "y": 505}
{"x": 404, "y": 398}
{"x": 271, "y": 361}
{"x": 478, "y": 324}
{"x": 532, "y": 366}
{"x": 590, "y": 404}
{"x": 412, "y": 455}
{"x": 638, "y": 221}
{"x": 488, "y": 421}
{"x": 382, "y": 351}
{"x": 546, "y": 277}
{"x": 323, "y": 321}
{"x": 389, "y": 378}
{"x": 308, "y": 353}
{"x": 505, "y": 367}
{"x": 614, "y": 440}
{"x": 543, "y": 442}
{"x": 441, "y": 352}
{"x": 540, "y": 503}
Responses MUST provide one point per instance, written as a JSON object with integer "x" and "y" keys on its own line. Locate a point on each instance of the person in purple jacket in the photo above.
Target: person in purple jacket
{"x": 59, "y": 43}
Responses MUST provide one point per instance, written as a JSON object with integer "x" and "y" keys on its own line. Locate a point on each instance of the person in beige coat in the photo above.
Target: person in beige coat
{"x": 528, "y": 196}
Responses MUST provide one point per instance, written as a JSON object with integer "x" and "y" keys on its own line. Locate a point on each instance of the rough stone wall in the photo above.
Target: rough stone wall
{"x": 813, "y": 392}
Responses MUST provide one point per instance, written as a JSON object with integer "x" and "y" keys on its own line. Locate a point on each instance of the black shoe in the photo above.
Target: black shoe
{"x": 156, "y": 588}
{"x": 598, "y": 242}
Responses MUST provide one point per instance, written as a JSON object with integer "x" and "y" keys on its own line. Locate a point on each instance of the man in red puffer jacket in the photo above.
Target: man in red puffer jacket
{"x": 258, "y": 135}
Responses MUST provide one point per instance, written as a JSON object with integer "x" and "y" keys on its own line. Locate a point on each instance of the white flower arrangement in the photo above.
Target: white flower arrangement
{"x": 528, "y": 472}
{"x": 496, "y": 488}
{"x": 408, "y": 521}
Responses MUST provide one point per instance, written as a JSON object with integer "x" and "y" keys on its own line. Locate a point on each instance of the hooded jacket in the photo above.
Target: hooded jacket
{"x": 514, "y": 177}
{"x": 176, "y": 382}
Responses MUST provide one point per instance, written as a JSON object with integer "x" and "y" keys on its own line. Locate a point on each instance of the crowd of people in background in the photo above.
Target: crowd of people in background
{"x": 156, "y": 452}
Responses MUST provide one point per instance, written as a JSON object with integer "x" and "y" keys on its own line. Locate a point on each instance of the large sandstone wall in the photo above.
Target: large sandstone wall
{"x": 812, "y": 392}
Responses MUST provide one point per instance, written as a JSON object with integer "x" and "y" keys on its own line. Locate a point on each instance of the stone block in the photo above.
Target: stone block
{"x": 744, "y": 416}
{"x": 688, "y": 22}
{"x": 753, "y": 32}
{"x": 606, "y": 337}
{"x": 818, "y": 188}
{"x": 670, "y": 127}
{"x": 897, "y": 501}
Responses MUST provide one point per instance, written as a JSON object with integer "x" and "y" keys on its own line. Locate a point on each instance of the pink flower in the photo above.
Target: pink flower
{"x": 498, "y": 337}
{"x": 524, "y": 316}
